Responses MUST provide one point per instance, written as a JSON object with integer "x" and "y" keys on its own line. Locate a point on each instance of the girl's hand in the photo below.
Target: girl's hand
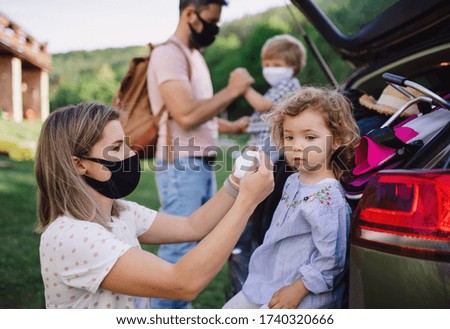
{"x": 289, "y": 296}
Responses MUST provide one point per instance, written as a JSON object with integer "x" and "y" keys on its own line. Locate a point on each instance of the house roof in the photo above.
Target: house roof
{"x": 14, "y": 40}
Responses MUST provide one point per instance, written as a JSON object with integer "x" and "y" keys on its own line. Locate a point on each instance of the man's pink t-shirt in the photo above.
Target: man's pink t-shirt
{"x": 168, "y": 63}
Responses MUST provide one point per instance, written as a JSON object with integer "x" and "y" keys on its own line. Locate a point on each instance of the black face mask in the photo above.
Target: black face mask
{"x": 206, "y": 36}
{"x": 125, "y": 175}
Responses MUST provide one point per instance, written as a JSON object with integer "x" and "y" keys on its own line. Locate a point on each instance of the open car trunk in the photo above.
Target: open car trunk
{"x": 405, "y": 26}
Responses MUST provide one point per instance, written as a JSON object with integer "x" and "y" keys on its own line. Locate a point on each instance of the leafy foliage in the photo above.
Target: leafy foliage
{"x": 89, "y": 76}
{"x": 95, "y": 75}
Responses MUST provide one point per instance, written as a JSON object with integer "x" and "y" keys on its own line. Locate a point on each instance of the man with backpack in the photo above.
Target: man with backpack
{"x": 179, "y": 83}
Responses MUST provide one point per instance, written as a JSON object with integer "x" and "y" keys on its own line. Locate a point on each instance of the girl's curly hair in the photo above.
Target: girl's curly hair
{"x": 337, "y": 112}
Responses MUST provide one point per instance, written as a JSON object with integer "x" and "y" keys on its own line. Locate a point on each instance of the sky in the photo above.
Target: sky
{"x": 68, "y": 25}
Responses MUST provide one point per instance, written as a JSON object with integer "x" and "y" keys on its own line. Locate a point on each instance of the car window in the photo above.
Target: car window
{"x": 361, "y": 12}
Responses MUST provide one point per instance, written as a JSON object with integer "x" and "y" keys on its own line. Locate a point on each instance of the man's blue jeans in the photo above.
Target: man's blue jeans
{"x": 183, "y": 187}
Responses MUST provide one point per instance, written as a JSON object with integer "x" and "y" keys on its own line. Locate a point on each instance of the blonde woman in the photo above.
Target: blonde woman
{"x": 90, "y": 244}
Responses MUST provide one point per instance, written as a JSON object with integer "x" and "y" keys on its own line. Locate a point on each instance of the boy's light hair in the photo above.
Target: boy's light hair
{"x": 287, "y": 48}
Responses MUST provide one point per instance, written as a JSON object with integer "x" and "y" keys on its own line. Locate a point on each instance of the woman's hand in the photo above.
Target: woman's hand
{"x": 258, "y": 182}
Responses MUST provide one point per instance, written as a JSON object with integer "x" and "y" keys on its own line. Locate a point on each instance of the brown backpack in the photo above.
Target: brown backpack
{"x": 141, "y": 126}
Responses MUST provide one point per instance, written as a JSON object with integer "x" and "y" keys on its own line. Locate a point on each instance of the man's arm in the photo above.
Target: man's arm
{"x": 233, "y": 127}
{"x": 189, "y": 112}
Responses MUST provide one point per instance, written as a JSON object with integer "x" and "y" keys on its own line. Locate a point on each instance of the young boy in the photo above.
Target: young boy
{"x": 283, "y": 57}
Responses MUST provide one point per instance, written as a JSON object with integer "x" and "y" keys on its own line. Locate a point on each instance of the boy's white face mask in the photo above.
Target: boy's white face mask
{"x": 274, "y": 75}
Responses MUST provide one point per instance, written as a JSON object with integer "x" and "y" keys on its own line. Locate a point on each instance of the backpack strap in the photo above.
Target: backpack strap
{"x": 169, "y": 153}
{"x": 185, "y": 56}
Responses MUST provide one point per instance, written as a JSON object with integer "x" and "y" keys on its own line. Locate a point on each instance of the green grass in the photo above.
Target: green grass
{"x": 20, "y": 279}
{"x": 19, "y": 139}
{"x": 19, "y": 132}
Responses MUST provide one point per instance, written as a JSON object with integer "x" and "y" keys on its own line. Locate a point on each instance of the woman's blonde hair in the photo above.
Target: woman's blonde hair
{"x": 67, "y": 132}
{"x": 287, "y": 48}
{"x": 337, "y": 113}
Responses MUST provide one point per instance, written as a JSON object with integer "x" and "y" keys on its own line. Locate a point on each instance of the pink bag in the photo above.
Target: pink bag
{"x": 382, "y": 145}
{"x": 388, "y": 148}
{"x": 379, "y": 146}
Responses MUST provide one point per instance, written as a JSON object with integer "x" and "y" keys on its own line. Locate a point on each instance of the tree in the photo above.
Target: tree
{"x": 97, "y": 85}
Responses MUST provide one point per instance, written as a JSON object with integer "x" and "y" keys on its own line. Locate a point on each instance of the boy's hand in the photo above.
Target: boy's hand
{"x": 289, "y": 296}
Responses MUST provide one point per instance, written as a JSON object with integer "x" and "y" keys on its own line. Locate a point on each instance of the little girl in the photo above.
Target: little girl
{"x": 303, "y": 258}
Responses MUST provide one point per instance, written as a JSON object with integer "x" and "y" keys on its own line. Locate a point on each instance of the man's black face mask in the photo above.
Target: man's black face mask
{"x": 206, "y": 36}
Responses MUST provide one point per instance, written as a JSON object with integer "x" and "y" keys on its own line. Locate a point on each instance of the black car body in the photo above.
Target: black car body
{"x": 400, "y": 235}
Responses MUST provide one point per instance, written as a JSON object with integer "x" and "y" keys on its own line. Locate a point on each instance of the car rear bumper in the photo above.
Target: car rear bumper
{"x": 383, "y": 280}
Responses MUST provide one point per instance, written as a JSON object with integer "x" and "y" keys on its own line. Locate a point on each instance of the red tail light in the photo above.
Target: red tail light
{"x": 405, "y": 212}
